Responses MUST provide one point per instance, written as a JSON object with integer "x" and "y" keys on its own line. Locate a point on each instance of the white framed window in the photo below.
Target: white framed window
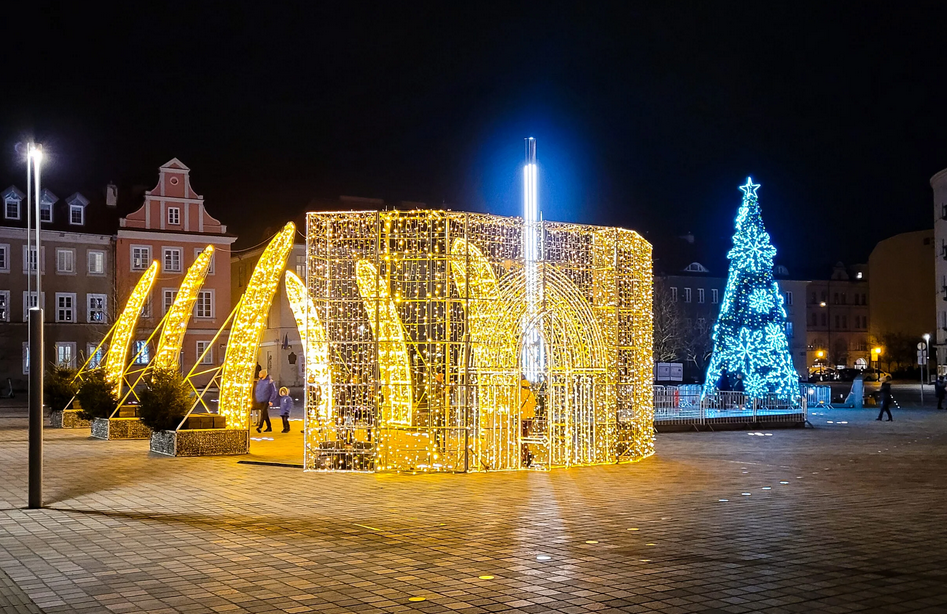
{"x": 789, "y": 299}
{"x": 301, "y": 267}
{"x": 172, "y": 259}
{"x": 11, "y": 208}
{"x": 146, "y": 308}
{"x": 174, "y": 216}
{"x": 204, "y": 308}
{"x": 208, "y": 358}
{"x": 66, "y": 353}
{"x": 674, "y": 294}
{"x": 141, "y": 257}
{"x": 29, "y": 260}
{"x": 96, "y": 308}
{"x": 142, "y": 353}
{"x": 95, "y": 357}
{"x": 76, "y": 215}
{"x": 4, "y": 258}
{"x": 687, "y": 295}
{"x": 65, "y": 260}
{"x": 29, "y": 301}
{"x": 700, "y": 295}
{"x": 65, "y": 306}
{"x": 4, "y": 305}
{"x": 26, "y": 358}
{"x": 45, "y": 212}
{"x": 714, "y": 296}
{"x": 96, "y": 260}
{"x": 169, "y": 296}
{"x": 213, "y": 257}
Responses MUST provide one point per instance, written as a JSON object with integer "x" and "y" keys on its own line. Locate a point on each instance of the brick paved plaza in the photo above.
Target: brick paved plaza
{"x": 849, "y": 516}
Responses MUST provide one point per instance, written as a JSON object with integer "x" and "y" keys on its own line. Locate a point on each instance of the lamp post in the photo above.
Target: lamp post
{"x": 876, "y": 354}
{"x": 821, "y": 355}
{"x": 35, "y": 498}
{"x": 927, "y": 356}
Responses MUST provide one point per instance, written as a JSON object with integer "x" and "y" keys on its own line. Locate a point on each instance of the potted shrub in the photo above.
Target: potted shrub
{"x": 59, "y": 389}
{"x": 96, "y": 396}
{"x": 164, "y": 401}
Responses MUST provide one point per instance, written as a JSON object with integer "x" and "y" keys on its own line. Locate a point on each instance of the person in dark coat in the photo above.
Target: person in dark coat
{"x": 940, "y": 391}
{"x": 884, "y": 394}
{"x": 723, "y": 384}
{"x": 265, "y": 394}
{"x": 285, "y": 407}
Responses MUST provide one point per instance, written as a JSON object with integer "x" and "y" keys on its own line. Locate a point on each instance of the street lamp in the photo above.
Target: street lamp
{"x": 876, "y": 355}
{"x": 35, "y": 500}
{"x": 927, "y": 355}
{"x": 820, "y": 355}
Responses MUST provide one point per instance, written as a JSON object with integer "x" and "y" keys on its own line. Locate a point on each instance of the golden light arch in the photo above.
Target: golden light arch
{"x": 175, "y": 324}
{"x": 236, "y": 374}
{"x": 316, "y": 357}
{"x": 125, "y": 326}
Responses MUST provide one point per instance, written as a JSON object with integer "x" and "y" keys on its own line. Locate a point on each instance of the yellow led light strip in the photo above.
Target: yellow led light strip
{"x": 236, "y": 374}
{"x": 175, "y": 324}
{"x": 393, "y": 365}
{"x": 313, "y": 336}
{"x": 125, "y": 326}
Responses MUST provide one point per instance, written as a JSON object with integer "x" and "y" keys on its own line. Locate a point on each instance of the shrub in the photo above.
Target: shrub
{"x": 96, "y": 396}
{"x": 164, "y": 401}
{"x": 59, "y": 386}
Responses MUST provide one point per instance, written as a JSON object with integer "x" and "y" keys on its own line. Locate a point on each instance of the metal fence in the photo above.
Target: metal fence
{"x": 688, "y": 405}
{"x": 817, "y": 395}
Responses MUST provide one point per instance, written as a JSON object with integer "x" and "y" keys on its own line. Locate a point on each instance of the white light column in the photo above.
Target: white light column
{"x": 534, "y": 355}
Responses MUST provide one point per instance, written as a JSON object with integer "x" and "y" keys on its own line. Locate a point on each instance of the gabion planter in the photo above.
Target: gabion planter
{"x": 120, "y": 428}
{"x": 201, "y": 442}
{"x": 67, "y": 419}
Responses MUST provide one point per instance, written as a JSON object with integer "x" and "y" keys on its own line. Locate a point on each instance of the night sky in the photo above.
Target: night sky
{"x": 647, "y": 117}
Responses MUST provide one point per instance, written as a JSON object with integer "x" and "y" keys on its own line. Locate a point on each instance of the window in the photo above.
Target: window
{"x": 29, "y": 301}
{"x": 674, "y": 295}
{"x": 823, "y": 296}
{"x": 26, "y": 358}
{"x": 687, "y": 295}
{"x": 835, "y": 298}
{"x": 65, "y": 260}
{"x": 301, "y": 267}
{"x": 96, "y": 260}
{"x": 11, "y": 208}
{"x": 174, "y": 215}
{"x": 4, "y": 305}
{"x": 141, "y": 257}
{"x": 4, "y": 258}
{"x": 65, "y": 307}
{"x": 142, "y": 353}
{"x": 812, "y": 320}
{"x": 789, "y": 299}
{"x": 95, "y": 357}
{"x": 813, "y": 301}
{"x": 66, "y": 353}
{"x": 146, "y": 308}
{"x": 844, "y": 298}
{"x": 207, "y": 359}
{"x": 169, "y": 296}
{"x": 864, "y": 299}
{"x": 29, "y": 260}
{"x": 700, "y": 295}
{"x": 837, "y": 322}
{"x": 46, "y": 212}
{"x": 205, "y": 305}
{"x": 198, "y": 251}
{"x": 822, "y": 320}
{"x": 96, "y": 308}
{"x": 844, "y": 322}
{"x": 701, "y": 324}
{"x": 714, "y": 296}
{"x": 172, "y": 259}
{"x": 76, "y": 215}
{"x": 789, "y": 332}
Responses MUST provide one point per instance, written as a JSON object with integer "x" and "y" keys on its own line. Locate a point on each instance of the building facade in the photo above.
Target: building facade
{"x": 939, "y": 185}
{"x": 838, "y": 319}
{"x": 76, "y": 260}
{"x": 173, "y": 227}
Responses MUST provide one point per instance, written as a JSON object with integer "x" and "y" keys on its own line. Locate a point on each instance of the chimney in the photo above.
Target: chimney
{"x": 111, "y": 195}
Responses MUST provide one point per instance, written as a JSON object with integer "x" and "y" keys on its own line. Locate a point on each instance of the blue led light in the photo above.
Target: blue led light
{"x": 750, "y": 332}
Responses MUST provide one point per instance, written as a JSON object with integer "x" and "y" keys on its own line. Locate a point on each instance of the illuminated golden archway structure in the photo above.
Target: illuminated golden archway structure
{"x": 313, "y": 336}
{"x": 176, "y": 320}
{"x": 116, "y": 360}
{"x": 424, "y": 314}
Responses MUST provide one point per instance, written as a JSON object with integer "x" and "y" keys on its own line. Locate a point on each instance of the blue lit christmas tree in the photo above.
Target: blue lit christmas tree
{"x": 750, "y": 333}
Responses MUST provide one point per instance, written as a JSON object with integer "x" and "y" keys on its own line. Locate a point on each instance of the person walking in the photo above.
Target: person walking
{"x": 264, "y": 394}
{"x": 285, "y": 407}
{"x": 940, "y": 391}
{"x": 884, "y": 394}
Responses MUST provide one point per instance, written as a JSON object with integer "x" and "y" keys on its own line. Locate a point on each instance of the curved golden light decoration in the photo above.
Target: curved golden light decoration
{"x": 313, "y": 335}
{"x": 393, "y": 364}
{"x": 175, "y": 324}
{"x": 125, "y": 326}
{"x": 236, "y": 374}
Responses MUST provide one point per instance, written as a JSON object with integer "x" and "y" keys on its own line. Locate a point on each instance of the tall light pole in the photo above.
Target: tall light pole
{"x": 927, "y": 355}
{"x": 35, "y": 158}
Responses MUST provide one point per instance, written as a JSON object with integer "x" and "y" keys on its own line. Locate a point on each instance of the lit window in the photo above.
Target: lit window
{"x": 96, "y": 312}
{"x": 66, "y": 354}
{"x": 4, "y": 305}
{"x": 76, "y": 215}
{"x": 205, "y": 305}
{"x": 46, "y": 212}
{"x": 4, "y": 258}
{"x": 26, "y": 358}
{"x": 65, "y": 261}
{"x": 858, "y": 275}
{"x": 174, "y": 215}
{"x": 172, "y": 259}
{"x": 208, "y": 358}
{"x": 65, "y": 307}
{"x": 142, "y": 353}
{"x": 301, "y": 267}
{"x": 146, "y": 308}
{"x": 198, "y": 251}
{"x": 789, "y": 331}
{"x": 141, "y": 257}
{"x": 96, "y": 262}
{"x": 95, "y": 356}
{"x": 11, "y": 208}
{"x": 169, "y": 296}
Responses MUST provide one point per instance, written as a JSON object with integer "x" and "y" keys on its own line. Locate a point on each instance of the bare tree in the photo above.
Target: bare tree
{"x": 699, "y": 344}
{"x": 668, "y": 326}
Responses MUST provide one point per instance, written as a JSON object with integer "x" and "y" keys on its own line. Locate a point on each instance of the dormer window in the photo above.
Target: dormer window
{"x": 696, "y": 267}
{"x": 11, "y": 208}
{"x": 45, "y": 212}
{"x": 76, "y": 215}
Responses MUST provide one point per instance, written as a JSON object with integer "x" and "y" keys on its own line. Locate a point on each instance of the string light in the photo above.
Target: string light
{"x": 316, "y": 354}
{"x": 124, "y": 330}
{"x": 175, "y": 324}
{"x": 750, "y": 332}
{"x": 236, "y": 374}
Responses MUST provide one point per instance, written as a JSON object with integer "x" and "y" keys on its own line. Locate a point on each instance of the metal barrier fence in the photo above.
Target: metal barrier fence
{"x": 687, "y": 405}
{"x": 817, "y": 395}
